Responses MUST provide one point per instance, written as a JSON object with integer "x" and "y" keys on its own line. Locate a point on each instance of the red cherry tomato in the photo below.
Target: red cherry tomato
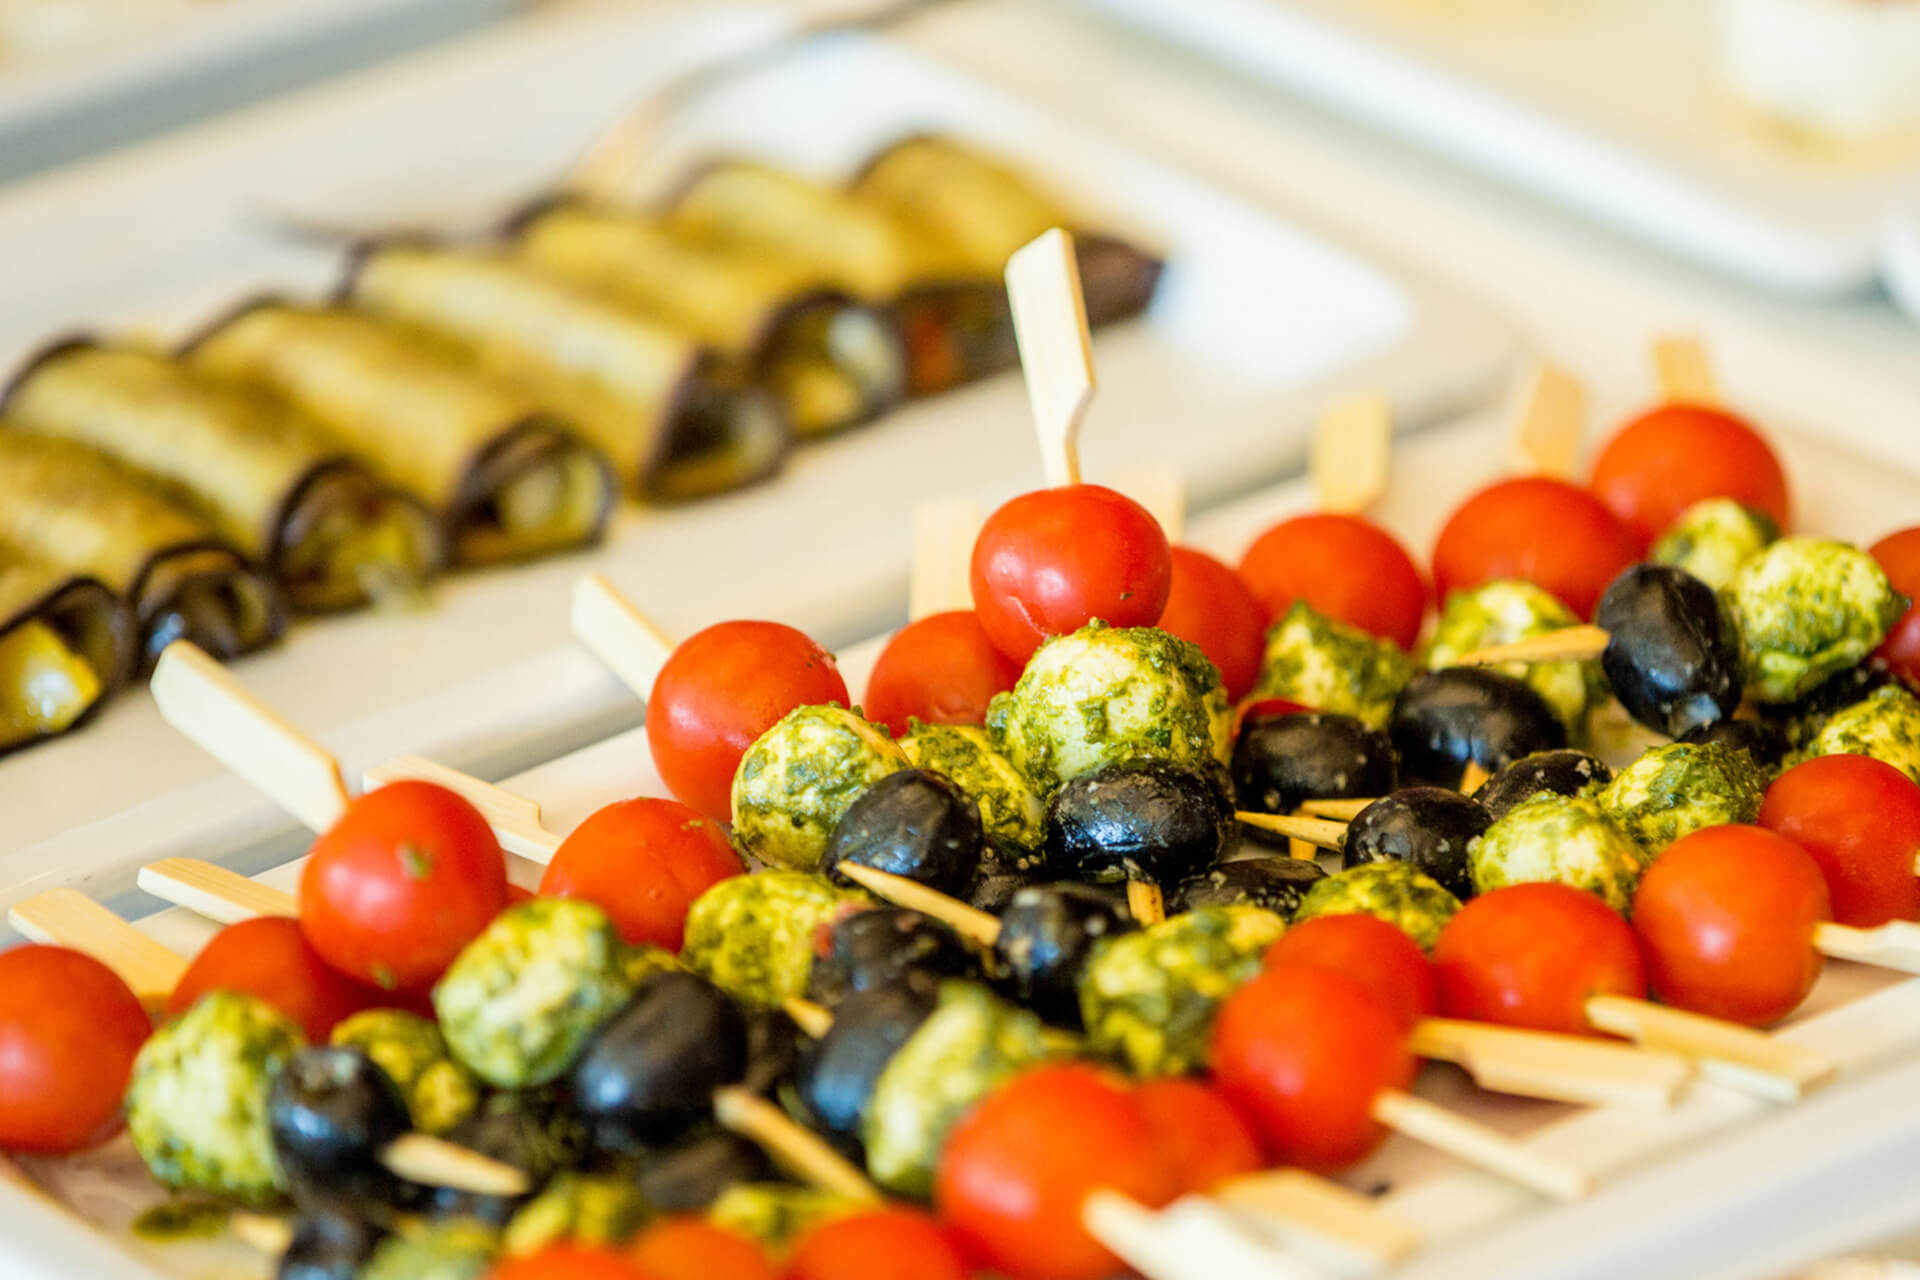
{"x": 1671, "y": 457}
{"x": 1899, "y": 555}
{"x": 1859, "y": 819}
{"x": 1202, "y": 1138}
{"x": 1346, "y": 567}
{"x": 69, "y": 1030}
{"x": 1211, "y": 606}
{"x": 643, "y": 862}
{"x": 695, "y": 1249}
{"x": 880, "y": 1244}
{"x": 1016, "y": 1170}
{"x": 721, "y": 689}
{"x": 1726, "y": 917}
{"x": 1375, "y": 954}
{"x": 271, "y": 958}
{"x": 1539, "y": 530}
{"x": 942, "y": 669}
{"x": 1053, "y": 560}
{"x": 1303, "y": 1052}
{"x": 570, "y": 1262}
{"x": 407, "y": 876}
{"x": 1532, "y": 955}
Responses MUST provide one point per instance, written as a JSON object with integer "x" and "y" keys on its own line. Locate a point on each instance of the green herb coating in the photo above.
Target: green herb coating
{"x": 1712, "y": 538}
{"x": 1011, "y": 812}
{"x": 798, "y": 779}
{"x": 1806, "y": 609}
{"x": 1567, "y": 839}
{"x": 1678, "y": 788}
{"x": 753, "y": 936}
{"x": 1330, "y": 666}
{"x": 1885, "y": 725}
{"x": 1502, "y": 612}
{"x": 1406, "y": 898}
{"x": 440, "y": 1093}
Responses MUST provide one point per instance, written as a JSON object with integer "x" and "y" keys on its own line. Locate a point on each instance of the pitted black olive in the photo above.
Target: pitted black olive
{"x": 914, "y": 823}
{"x": 837, "y": 1072}
{"x": 773, "y": 1050}
{"x": 1045, "y": 935}
{"x": 327, "y": 1245}
{"x": 652, "y": 1070}
{"x": 1673, "y": 656}
{"x": 1764, "y": 740}
{"x": 1429, "y": 827}
{"x": 688, "y": 1178}
{"x": 331, "y": 1111}
{"x": 1275, "y": 883}
{"x": 530, "y": 1129}
{"x": 1564, "y": 773}
{"x": 1445, "y": 718}
{"x": 873, "y": 948}
{"x": 997, "y": 884}
{"x": 1836, "y": 693}
{"x": 1145, "y": 820}
{"x": 1281, "y": 761}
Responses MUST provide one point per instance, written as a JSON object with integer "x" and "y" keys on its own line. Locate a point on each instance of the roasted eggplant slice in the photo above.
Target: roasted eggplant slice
{"x": 66, "y": 644}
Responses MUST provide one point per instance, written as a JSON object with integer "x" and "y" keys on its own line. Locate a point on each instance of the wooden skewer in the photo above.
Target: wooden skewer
{"x": 224, "y": 896}
{"x": 1725, "y": 1053}
{"x": 1569, "y": 644}
{"x": 1336, "y": 810}
{"x": 631, "y": 644}
{"x": 943, "y": 537}
{"x": 514, "y": 818}
{"x": 1478, "y": 1145}
{"x": 813, "y": 1019}
{"x": 1348, "y": 1231}
{"x": 268, "y": 1234}
{"x": 1348, "y": 459}
{"x": 1145, "y": 902}
{"x": 1159, "y": 488}
{"x": 1056, "y": 348}
{"x": 800, "y": 1150}
{"x": 1894, "y": 945}
{"x": 1473, "y": 777}
{"x": 982, "y": 928}
{"x": 1685, "y": 373}
{"x": 1552, "y": 418}
{"x": 1319, "y": 832}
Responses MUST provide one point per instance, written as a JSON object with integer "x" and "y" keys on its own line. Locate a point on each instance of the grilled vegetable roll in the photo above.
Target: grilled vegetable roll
{"x": 677, "y": 420}
{"x": 65, "y": 646}
{"x": 832, "y": 361}
{"x": 508, "y": 480}
{"x": 271, "y": 481}
{"x": 79, "y": 509}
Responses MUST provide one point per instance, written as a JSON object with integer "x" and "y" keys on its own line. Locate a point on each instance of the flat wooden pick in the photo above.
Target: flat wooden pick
{"x": 224, "y": 896}
{"x": 1685, "y": 373}
{"x": 68, "y": 918}
{"x": 1328, "y": 1222}
{"x": 1552, "y": 418}
{"x": 197, "y": 696}
{"x": 942, "y": 575}
{"x": 1056, "y": 348}
{"x": 631, "y": 644}
{"x": 515, "y": 819}
{"x": 1352, "y": 442}
{"x": 1162, "y": 490}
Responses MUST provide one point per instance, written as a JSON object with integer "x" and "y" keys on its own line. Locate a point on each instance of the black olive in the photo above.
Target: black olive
{"x": 1673, "y": 656}
{"x": 652, "y": 1070}
{"x": 837, "y": 1073}
{"x": 997, "y": 884}
{"x": 1275, "y": 883}
{"x": 1429, "y": 827}
{"x": 1444, "y": 718}
{"x": 1805, "y": 714}
{"x": 1145, "y": 820}
{"x": 773, "y": 1050}
{"x": 872, "y": 948}
{"x": 531, "y": 1129}
{"x": 1564, "y": 773}
{"x": 916, "y": 824}
{"x": 327, "y": 1246}
{"x": 331, "y": 1111}
{"x": 1280, "y": 761}
{"x": 1045, "y": 935}
{"x": 688, "y": 1178}
{"x": 1764, "y": 740}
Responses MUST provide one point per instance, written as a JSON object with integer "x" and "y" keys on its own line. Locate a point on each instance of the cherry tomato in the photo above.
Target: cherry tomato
{"x": 1053, "y": 560}
{"x": 1016, "y": 1170}
{"x": 271, "y": 958}
{"x": 1532, "y": 955}
{"x": 1899, "y": 555}
{"x": 643, "y": 862}
{"x": 570, "y": 1262}
{"x": 1346, "y": 567}
{"x": 942, "y": 669}
{"x": 1211, "y": 606}
{"x": 1540, "y": 530}
{"x": 69, "y": 1030}
{"x": 1202, "y": 1138}
{"x": 1859, "y": 819}
{"x": 880, "y": 1244}
{"x": 721, "y": 689}
{"x": 1303, "y": 1052}
{"x": 1726, "y": 917}
{"x": 1671, "y": 457}
{"x": 1375, "y": 954}
{"x": 685, "y": 1248}
{"x": 407, "y": 876}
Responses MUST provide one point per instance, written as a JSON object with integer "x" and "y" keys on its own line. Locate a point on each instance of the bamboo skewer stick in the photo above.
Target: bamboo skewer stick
{"x": 1350, "y": 1232}
{"x": 515, "y": 820}
{"x": 1894, "y": 945}
{"x": 1160, "y": 489}
{"x": 625, "y": 640}
{"x": 800, "y": 1150}
{"x": 1145, "y": 902}
{"x": 1473, "y": 777}
{"x": 1056, "y": 348}
{"x": 1337, "y": 810}
{"x": 1552, "y": 418}
{"x": 223, "y": 896}
{"x": 943, "y": 537}
{"x": 1480, "y": 1146}
{"x": 1568, "y": 644}
{"x": 1349, "y": 456}
{"x": 1725, "y": 1053}
{"x": 982, "y": 928}
{"x": 1684, "y": 371}
{"x": 1322, "y": 833}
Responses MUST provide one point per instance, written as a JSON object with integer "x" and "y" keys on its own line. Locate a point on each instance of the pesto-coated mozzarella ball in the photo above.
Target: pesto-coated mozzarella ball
{"x": 1885, "y": 725}
{"x": 451, "y": 1249}
{"x": 1567, "y": 839}
{"x": 1502, "y": 612}
{"x": 1712, "y": 538}
{"x": 1330, "y": 666}
{"x": 440, "y": 1093}
{"x": 753, "y": 936}
{"x": 1011, "y": 812}
{"x": 1108, "y": 695}
{"x": 197, "y": 1103}
{"x": 1405, "y": 897}
{"x": 775, "y": 1214}
{"x": 795, "y": 782}
{"x": 593, "y": 1209}
{"x": 1807, "y": 608}
{"x": 1676, "y": 789}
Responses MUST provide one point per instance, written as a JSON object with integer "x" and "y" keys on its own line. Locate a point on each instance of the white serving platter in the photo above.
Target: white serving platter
{"x": 1720, "y": 1186}
{"x": 1611, "y": 107}
{"x": 1260, "y": 320}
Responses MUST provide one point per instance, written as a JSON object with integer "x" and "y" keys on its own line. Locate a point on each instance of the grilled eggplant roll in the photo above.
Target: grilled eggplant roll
{"x": 66, "y": 643}
{"x": 832, "y": 362}
{"x": 273, "y": 482}
{"x": 508, "y": 480}
{"x": 82, "y": 512}
{"x": 676, "y": 418}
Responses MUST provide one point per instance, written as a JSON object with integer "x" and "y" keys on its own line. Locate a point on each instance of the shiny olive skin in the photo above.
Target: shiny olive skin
{"x": 997, "y": 884}
{"x": 1046, "y": 933}
{"x": 1275, "y": 883}
{"x": 914, "y": 823}
{"x": 1835, "y": 693}
{"x": 1445, "y": 718}
{"x": 867, "y": 949}
{"x": 773, "y": 1050}
{"x": 837, "y": 1072}
{"x": 1764, "y": 740}
{"x": 327, "y": 1245}
{"x": 1673, "y": 656}
{"x": 1564, "y": 773}
{"x": 651, "y": 1071}
{"x": 1429, "y": 827}
{"x": 1281, "y": 761}
{"x": 689, "y": 1177}
{"x": 331, "y": 1111}
{"x": 531, "y": 1129}
{"x": 1143, "y": 820}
